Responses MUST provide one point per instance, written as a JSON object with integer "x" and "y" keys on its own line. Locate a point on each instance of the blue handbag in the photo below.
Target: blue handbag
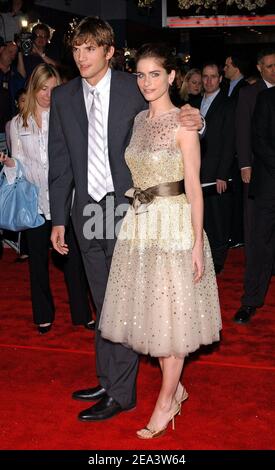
{"x": 18, "y": 203}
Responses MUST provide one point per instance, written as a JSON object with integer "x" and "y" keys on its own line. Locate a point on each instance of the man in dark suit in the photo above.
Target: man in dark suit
{"x": 234, "y": 71}
{"x": 91, "y": 122}
{"x": 260, "y": 259}
{"x": 244, "y": 113}
{"x": 217, "y": 155}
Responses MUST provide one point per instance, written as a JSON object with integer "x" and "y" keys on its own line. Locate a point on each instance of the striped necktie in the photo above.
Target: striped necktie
{"x": 96, "y": 150}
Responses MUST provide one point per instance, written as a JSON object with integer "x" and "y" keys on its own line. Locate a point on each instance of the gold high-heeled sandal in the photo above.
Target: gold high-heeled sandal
{"x": 147, "y": 433}
{"x": 184, "y": 397}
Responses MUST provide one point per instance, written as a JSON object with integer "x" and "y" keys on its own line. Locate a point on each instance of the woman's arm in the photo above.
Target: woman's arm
{"x": 6, "y": 160}
{"x": 188, "y": 142}
{"x": 46, "y": 59}
{"x": 9, "y": 167}
{"x": 16, "y": 152}
{"x": 20, "y": 65}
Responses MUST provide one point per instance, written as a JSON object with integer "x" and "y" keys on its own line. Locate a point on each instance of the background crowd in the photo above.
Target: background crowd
{"x": 226, "y": 96}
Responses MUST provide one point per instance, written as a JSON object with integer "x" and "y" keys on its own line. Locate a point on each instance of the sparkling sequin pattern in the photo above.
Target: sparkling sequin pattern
{"x": 152, "y": 303}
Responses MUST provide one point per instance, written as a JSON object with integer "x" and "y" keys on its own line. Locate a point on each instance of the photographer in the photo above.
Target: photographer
{"x": 40, "y": 38}
{"x": 10, "y": 81}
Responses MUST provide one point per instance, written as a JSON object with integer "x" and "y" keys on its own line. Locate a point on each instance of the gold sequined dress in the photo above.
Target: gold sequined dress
{"x": 152, "y": 303}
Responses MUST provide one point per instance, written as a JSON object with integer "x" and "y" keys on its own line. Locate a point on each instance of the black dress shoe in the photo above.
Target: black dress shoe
{"x": 90, "y": 325}
{"x": 233, "y": 244}
{"x": 244, "y": 314}
{"x": 90, "y": 394}
{"x": 42, "y": 330}
{"x": 106, "y": 408}
{"x": 22, "y": 259}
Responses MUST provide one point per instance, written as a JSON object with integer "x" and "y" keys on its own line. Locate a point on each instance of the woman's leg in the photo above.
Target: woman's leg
{"x": 180, "y": 390}
{"x": 166, "y": 405}
{"x": 38, "y": 245}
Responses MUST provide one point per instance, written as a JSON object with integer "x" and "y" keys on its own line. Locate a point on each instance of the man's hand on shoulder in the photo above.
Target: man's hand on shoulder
{"x": 191, "y": 119}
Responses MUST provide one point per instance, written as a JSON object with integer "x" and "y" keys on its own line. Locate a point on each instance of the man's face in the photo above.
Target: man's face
{"x": 266, "y": 68}
{"x": 229, "y": 70}
{"x": 211, "y": 79}
{"x": 92, "y": 60}
{"x": 8, "y": 52}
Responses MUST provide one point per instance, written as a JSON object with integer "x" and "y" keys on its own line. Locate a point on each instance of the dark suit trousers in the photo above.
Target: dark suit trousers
{"x": 76, "y": 280}
{"x": 247, "y": 216}
{"x": 217, "y": 214}
{"x": 261, "y": 253}
{"x": 38, "y": 240}
{"x": 116, "y": 365}
{"x": 236, "y": 230}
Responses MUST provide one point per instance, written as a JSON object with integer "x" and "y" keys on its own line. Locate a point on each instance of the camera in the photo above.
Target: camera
{"x": 24, "y": 41}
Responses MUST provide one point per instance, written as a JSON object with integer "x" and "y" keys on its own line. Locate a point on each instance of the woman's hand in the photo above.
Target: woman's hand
{"x": 44, "y": 57}
{"x": 9, "y": 162}
{"x": 197, "y": 262}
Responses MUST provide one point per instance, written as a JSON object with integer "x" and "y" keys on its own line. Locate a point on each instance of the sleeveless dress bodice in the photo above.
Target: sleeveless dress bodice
{"x": 152, "y": 155}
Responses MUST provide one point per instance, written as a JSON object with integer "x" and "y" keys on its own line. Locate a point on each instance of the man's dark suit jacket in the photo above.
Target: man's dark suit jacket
{"x": 68, "y": 146}
{"x": 244, "y": 112}
{"x": 217, "y": 144}
{"x": 236, "y": 90}
{"x": 263, "y": 175}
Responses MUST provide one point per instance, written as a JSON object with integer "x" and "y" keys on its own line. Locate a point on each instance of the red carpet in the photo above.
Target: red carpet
{"x": 231, "y": 386}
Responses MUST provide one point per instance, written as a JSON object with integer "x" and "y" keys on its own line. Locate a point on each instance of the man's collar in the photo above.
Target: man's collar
{"x": 100, "y": 85}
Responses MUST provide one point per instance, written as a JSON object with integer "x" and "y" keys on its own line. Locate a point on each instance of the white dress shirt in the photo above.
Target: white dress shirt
{"x": 233, "y": 83}
{"x": 207, "y": 101}
{"x": 269, "y": 85}
{"x": 103, "y": 87}
{"x": 29, "y": 145}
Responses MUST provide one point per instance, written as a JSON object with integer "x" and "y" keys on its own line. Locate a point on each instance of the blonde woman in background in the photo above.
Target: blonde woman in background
{"x": 191, "y": 87}
{"x": 29, "y": 145}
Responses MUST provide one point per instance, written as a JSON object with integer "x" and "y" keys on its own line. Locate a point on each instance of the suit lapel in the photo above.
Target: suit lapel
{"x": 114, "y": 110}
{"x": 214, "y": 105}
{"x": 261, "y": 85}
{"x": 237, "y": 88}
{"x": 79, "y": 108}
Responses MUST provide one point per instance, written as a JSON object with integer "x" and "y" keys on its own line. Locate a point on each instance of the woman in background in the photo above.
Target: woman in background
{"x": 191, "y": 87}
{"x": 29, "y": 145}
{"x": 20, "y": 98}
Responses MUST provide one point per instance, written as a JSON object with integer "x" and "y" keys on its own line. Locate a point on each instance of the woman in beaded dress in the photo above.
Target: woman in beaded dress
{"x": 161, "y": 298}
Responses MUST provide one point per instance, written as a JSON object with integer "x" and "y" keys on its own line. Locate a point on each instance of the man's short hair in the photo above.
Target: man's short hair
{"x": 211, "y": 63}
{"x": 94, "y": 29}
{"x": 239, "y": 62}
{"x": 264, "y": 52}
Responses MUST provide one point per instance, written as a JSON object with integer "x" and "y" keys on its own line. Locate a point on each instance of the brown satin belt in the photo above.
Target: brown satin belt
{"x": 146, "y": 196}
